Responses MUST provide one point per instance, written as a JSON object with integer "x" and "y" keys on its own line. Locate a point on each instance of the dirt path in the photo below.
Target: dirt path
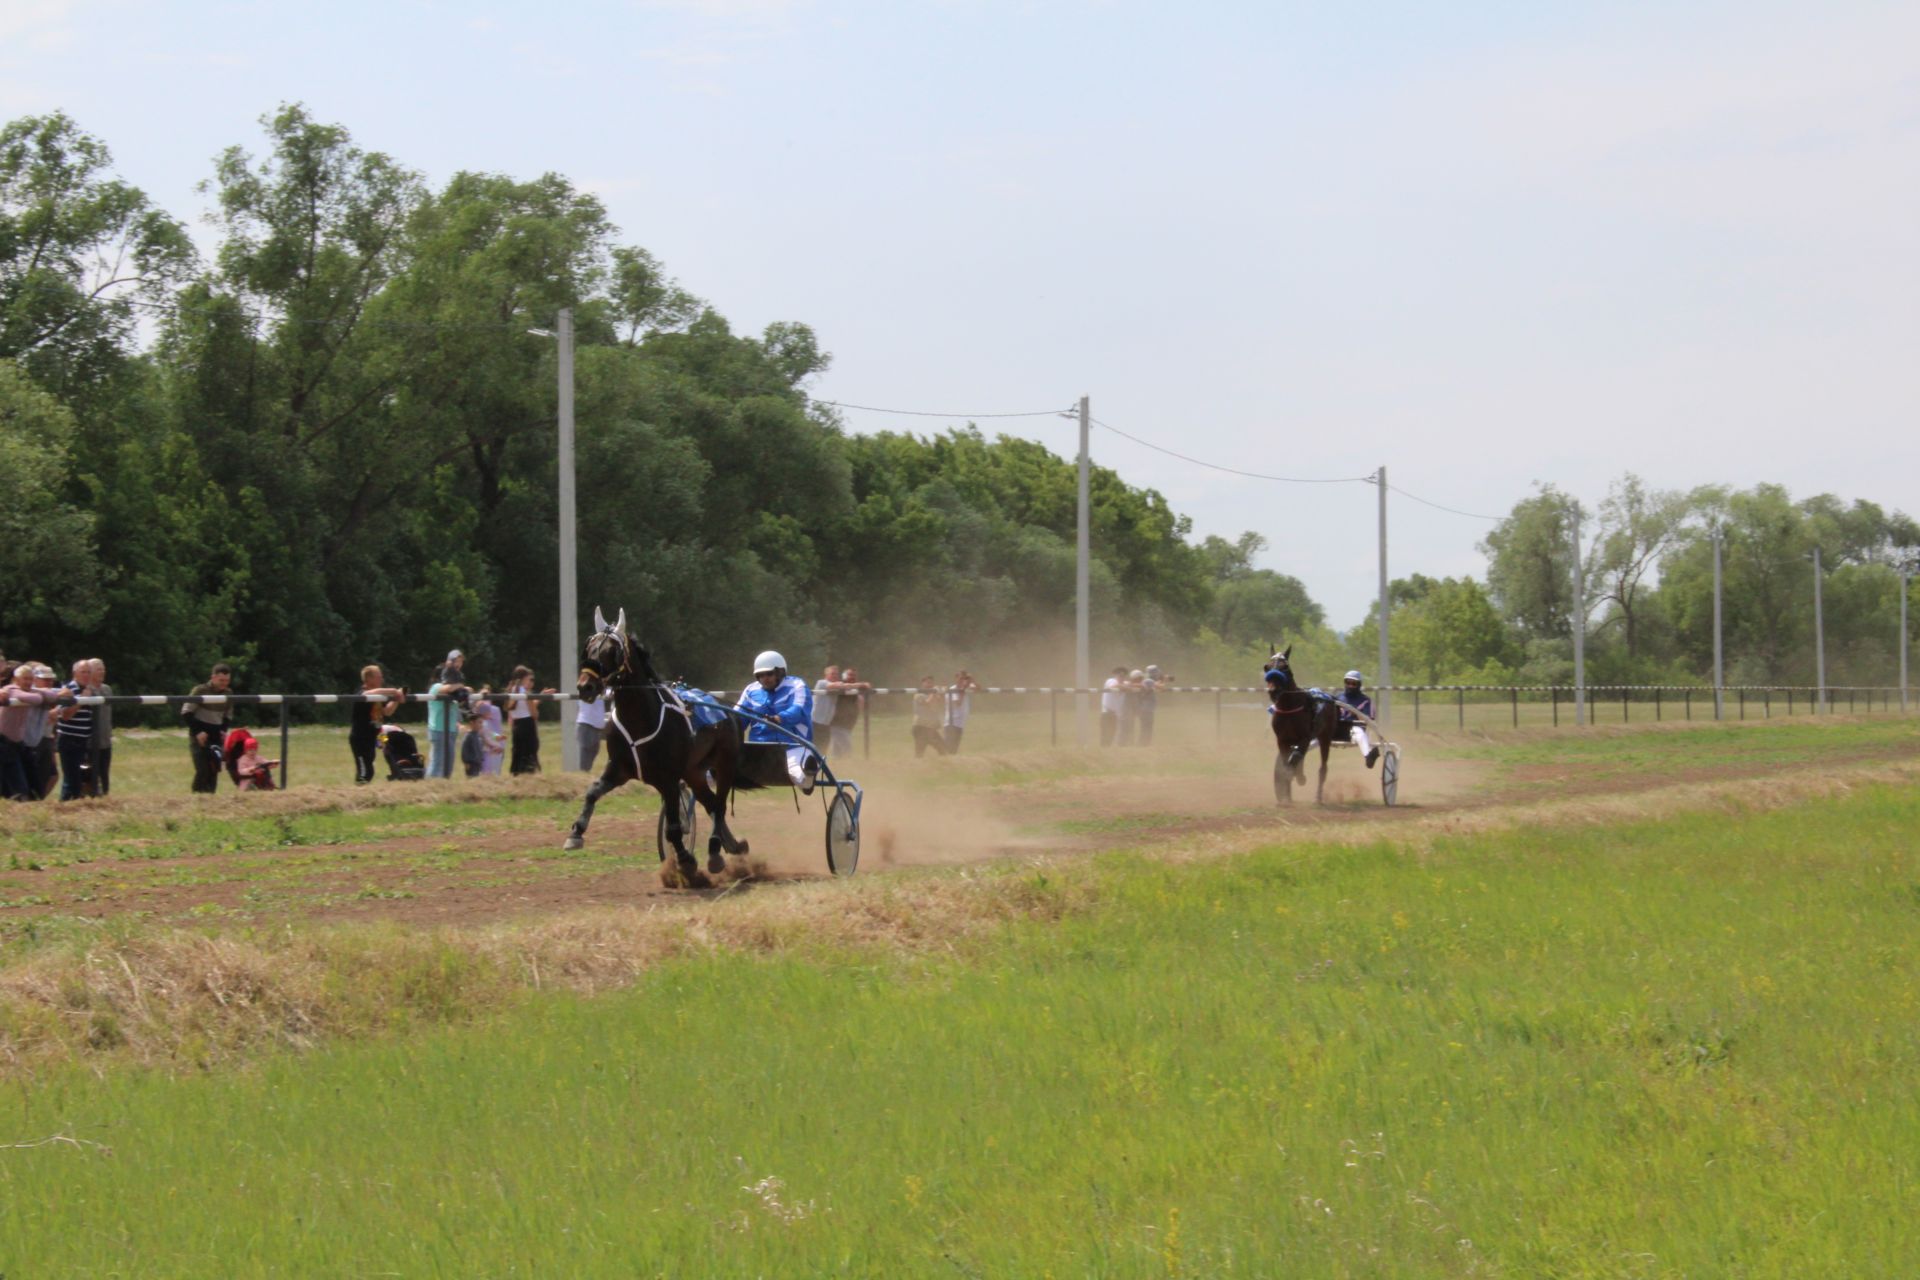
{"x": 945, "y": 813}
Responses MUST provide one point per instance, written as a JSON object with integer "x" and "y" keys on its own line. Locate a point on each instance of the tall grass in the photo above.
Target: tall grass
{"x": 1686, "y": 1047}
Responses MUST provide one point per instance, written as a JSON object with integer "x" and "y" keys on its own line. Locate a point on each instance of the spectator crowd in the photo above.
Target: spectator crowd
{"x": 49, "y": 740}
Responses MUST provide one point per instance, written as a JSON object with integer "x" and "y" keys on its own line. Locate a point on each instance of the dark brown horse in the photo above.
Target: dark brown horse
{"x": 1300, "y": 719}
{"x": 657, "y": 737}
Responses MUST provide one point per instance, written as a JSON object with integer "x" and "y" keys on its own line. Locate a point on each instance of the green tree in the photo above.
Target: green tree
{"x": 78, "y": 250}
{"x": 49, "y": 574}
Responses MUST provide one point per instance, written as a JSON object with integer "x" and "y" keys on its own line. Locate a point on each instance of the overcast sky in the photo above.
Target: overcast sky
{"x": 1486, "y": 245}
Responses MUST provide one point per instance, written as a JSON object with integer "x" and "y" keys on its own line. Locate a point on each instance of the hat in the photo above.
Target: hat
{"x": 453, "y": 654}
{"x": 1138, "y": 675}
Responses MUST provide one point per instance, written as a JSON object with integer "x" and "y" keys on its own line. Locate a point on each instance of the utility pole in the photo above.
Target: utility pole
{"x": 1819, "y": 637}
{"x": 1579, "y": 628}
{"x": 569, "y": 575}
{"x": 1082, "y": 672}
{"x": 1385, "y": 675}
{"x": 1906, "y": 576}
{"x": 1719, "y": 671}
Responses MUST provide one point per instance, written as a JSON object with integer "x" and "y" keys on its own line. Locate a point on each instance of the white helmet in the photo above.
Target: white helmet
{"x": 1356, "y": 677}
{"x": 769, "y": 661}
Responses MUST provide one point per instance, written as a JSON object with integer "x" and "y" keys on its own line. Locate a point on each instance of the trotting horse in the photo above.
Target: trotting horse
{"x": 1300, "y": 720}
{"x": 654, "y": 738}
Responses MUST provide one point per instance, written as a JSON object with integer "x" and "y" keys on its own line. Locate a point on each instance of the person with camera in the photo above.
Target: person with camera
{"x": 959, "y": 707}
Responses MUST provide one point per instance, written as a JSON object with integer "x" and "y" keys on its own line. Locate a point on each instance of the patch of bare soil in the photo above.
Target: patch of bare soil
{"x": 916, "y": 813}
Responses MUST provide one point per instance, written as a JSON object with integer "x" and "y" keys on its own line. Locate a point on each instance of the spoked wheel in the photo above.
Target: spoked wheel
{"x": 1390, "y": 774}
{"x": 689, "y": 823}
{"x": 1282, "y": 779}
{"x": 843, "y": 836}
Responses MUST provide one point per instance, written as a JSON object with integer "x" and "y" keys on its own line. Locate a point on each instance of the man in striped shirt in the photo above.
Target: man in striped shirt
{"x": 74, "y": 737}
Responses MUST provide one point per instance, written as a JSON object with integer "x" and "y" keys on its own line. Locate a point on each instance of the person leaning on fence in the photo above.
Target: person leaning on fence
{"x": 40, "y": 728}
{"x": 206, "y": 726}
{"x": 446, "y": 699}
{"x": 363, "y": 733}
{"x": 1150, "y": 689}
{"x": 959, "y": 707}
{"x": 73, "y": 737}
{"x": 1113, "y": 703}
{"x": 929, "y": 715}
{"x": 523, "y": 716}
{"x": 852, "y": 704}
{"x": 826, "y": 704}
{"x": 102, "y": 727}
{"x": 19, "y": 770}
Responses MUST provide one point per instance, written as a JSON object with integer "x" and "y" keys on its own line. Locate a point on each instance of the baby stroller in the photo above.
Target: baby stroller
{"x": 404, "y": 761}
{"x": 241, "y": 755}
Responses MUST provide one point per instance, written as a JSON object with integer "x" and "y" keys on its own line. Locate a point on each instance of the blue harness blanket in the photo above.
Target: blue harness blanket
{"x": 700, "y": 705}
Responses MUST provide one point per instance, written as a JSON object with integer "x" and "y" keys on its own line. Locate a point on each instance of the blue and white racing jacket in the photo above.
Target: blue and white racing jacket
{"x": 790, "y": 703}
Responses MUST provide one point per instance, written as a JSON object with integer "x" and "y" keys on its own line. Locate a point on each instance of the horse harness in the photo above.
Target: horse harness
{"x": 669, "y": 700}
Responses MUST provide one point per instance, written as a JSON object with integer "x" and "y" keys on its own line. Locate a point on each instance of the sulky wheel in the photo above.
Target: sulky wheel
{"x": 1390, "y": 774}
{"x": 843, "y": 836}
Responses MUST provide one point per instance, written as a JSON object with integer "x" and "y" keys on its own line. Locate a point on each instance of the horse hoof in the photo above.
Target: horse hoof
{"x": 574, "y": 842}
{"x": 740, "y": 849}
{"x": 715, "y": 864}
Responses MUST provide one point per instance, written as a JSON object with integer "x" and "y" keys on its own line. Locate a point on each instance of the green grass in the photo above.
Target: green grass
{"x": 1687, "y": 1047}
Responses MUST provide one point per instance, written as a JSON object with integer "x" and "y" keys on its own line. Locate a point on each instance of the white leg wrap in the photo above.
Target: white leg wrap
{"x": 1360, "y": 738}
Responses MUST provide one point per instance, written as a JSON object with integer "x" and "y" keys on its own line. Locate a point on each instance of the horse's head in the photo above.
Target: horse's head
{"x": 1277, "y": 660}
{"x": 612, "y": 657}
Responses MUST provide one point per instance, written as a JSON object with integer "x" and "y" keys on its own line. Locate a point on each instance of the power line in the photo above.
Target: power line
{"x": 1234, "y": 471}
{"x": 924, "y": 413}
{"x": 1471, "y": 515}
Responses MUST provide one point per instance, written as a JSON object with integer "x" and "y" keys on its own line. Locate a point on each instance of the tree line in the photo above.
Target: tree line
{"x": 329, "y": 439}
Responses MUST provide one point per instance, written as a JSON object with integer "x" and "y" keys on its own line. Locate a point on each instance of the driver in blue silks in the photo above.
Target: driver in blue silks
{"x": 775, "y": 695}
{"x": 1353, "y": 696}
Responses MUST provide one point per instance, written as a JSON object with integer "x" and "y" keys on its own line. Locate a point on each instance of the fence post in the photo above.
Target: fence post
{"x": 1416, "y": 709}
{"x": 1789, "y": 703}
{"x": 1461, "y": 695}
{"x": 284, "y": 740}
{"x": 1656, "y": 702}
{"x": 1625, "y": 715}
{"x": 1743, "y": 704}
{"x": 1053, "y": 714}
{"x": 1516, "y": 707}
{"x": 866, "y": 730}
{"x": 1554, "y": 692}
{"x": 1766, "y": 703}
{"x": 1689, "y": 704}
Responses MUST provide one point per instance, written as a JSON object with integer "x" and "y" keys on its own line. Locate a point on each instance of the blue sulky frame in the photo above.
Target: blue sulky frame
{"x": 840, "y": 787}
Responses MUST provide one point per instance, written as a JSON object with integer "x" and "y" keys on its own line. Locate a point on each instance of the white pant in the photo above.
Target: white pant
{"x": 1360, "y": 738}
{"x": 797, "y": 758}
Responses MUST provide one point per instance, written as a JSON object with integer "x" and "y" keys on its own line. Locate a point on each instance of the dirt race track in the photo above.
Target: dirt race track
{"x": 505, "y": 861}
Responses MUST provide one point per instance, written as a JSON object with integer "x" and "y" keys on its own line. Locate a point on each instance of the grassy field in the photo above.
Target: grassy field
{"x": 1680, "y": 1046}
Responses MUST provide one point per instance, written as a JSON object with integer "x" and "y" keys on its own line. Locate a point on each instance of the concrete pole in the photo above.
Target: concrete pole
{"x": 1082, "y": 628}
{"x": 1719, "y": 670}
{"x": 1579, "y": 621}
{"x": 1385, "y": 676}
{"x": 1819, "y": 638}
{"x": 569, "y": 572}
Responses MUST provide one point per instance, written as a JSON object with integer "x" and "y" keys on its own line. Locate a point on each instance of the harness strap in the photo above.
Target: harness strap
{"x": 669, "y": 702}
